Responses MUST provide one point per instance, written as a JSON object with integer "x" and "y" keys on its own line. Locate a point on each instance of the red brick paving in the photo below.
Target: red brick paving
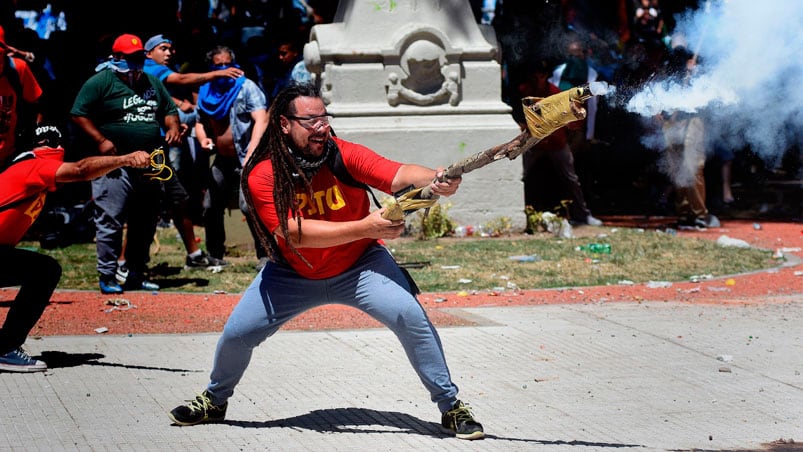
{"x": 81, "y": 312}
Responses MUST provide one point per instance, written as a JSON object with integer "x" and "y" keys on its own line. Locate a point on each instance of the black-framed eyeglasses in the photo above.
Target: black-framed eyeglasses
{"x": 311, "y": 122}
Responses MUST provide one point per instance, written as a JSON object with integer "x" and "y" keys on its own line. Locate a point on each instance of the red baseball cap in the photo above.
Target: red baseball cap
{"x": 127, "y": 44}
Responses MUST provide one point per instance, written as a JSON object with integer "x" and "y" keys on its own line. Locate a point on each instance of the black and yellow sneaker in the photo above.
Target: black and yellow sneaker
{"x": 206, "y": 261}
{"x": 460, "y": 422}
{"x": 198, "y": 411}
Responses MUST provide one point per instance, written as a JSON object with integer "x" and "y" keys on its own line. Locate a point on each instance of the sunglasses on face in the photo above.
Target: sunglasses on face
{"x": 311, "y": 122}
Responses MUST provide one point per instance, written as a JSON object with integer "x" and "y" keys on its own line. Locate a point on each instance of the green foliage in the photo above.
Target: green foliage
{"x": 434, "y": 222}
{"x": 502, "y": 226}
{"x": 427, "y": 223}
{"x": 541, "y": 221}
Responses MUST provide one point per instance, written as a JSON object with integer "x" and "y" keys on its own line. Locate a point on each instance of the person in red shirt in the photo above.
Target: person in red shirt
{"x": 17, "y": 85}
{"x": 325, "y": 246}
{"x": 550, "y": 180}
{"x": 24, "y": 185}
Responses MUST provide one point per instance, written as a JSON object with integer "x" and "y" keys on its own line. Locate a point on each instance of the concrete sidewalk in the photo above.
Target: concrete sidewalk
{"x": 608, "y": 376}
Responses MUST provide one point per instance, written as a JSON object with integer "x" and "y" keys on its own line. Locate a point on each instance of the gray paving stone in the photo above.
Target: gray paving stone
{"x": 607, "y": 376}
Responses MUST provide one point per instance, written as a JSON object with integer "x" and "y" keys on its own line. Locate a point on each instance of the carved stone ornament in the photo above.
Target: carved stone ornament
{"x": 427, "y": 78}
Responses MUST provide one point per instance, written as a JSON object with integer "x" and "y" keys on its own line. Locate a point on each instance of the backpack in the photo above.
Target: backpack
{"x": 338, "y": 168}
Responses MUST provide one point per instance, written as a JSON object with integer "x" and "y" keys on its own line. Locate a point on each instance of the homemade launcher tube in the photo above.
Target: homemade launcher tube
{"x": 543, "y": 116}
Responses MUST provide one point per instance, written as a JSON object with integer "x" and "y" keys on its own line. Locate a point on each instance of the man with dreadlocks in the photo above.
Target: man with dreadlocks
{"x": 325, "y": 247}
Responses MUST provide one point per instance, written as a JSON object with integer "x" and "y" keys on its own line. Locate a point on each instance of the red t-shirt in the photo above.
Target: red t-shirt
{"x": 30, "y": 180}
{"x": 31, "y": 91}
{"x": 332, "y": 200}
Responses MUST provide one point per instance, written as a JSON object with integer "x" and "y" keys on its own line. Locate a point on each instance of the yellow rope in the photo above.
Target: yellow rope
{"x": 408, "y": 203}
{"x": 158, "y": 160}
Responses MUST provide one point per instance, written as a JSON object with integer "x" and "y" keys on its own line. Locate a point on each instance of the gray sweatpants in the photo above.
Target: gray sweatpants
{"x": 374, "y": 285}
{"x": 125, "y": 196}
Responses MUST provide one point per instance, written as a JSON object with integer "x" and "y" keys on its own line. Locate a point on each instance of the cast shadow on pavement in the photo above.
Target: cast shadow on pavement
{"x": 364, "y": 420}
{"x": 164, "y": 275}
{"x": 57, "y": 360}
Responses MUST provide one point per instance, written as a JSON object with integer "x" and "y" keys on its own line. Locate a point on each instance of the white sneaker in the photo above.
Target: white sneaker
{"x": 592, "y": 221}
{"x": 122, "y": 273}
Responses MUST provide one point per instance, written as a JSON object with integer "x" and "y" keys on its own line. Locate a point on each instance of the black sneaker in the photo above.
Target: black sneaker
{"x": 137, "y": 281}
{"x": 198, "y": 411}
{"x": 700, "y": 224}
{"x": 687, "y": 224}
{"x": 461, "y": 423}
{"x": 204, "y": 261}
{"x": 19, "y": 361}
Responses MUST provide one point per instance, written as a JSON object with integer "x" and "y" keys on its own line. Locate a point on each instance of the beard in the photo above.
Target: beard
{"x": 318, "y": 141}
{"x": 307, "y": 161}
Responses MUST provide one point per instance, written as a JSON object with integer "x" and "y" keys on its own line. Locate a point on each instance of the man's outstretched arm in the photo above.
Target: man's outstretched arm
{"x": 93, "y": 167}
{"x": 199, "y": 78}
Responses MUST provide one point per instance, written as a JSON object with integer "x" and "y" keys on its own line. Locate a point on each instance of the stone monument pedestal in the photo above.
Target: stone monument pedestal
{"x": 419, "y": 81}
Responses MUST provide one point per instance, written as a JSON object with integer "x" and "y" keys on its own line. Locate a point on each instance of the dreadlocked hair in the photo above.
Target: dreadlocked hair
{"x": 288, "y": 176}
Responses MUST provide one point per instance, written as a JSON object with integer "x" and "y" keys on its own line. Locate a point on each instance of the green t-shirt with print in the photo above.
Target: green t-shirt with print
{"x": 130, "y": 118}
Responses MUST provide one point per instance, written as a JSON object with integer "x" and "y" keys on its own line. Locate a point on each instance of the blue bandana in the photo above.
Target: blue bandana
{"x": 121, "y": 66}
{"x": 215, "y": 98}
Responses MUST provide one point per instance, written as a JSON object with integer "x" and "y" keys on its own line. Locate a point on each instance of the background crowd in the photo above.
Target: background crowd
{"x": 623, "y": 42}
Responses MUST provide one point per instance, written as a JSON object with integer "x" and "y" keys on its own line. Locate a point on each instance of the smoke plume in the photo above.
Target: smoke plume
{"x": 749, "y": 84}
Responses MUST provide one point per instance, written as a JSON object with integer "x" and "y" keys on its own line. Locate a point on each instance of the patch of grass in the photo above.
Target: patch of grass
{"x": 636, "y": 255}
{"x": 445, "y": 264}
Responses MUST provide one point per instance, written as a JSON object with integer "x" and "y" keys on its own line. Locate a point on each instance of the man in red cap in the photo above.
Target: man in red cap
{"x": 23, "y": 188}
{"x": 122, "y": 109}
{"x": 18, "y": 87}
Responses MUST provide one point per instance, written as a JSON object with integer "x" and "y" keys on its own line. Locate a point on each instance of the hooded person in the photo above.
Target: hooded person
{"x": 24, "y": 186}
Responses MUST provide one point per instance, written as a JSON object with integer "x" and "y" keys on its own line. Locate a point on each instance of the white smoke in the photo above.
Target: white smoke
{"x": 749, "y": 89}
